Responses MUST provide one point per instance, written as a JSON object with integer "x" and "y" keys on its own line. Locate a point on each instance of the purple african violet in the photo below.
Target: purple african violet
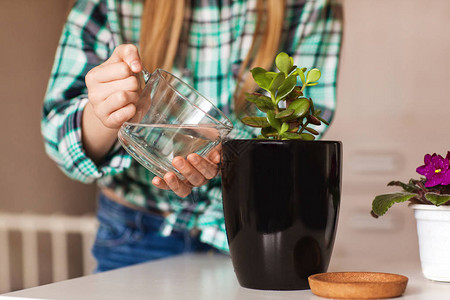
{"x": 436, "y": 170}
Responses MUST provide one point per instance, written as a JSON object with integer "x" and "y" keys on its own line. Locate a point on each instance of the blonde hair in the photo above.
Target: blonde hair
{"x": 160, "y": 33}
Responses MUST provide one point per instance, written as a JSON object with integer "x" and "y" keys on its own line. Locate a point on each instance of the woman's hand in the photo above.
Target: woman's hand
{"x": 113, "y": 91}
{"x": 196, "y": 169}
{"x": 114, "y": 87}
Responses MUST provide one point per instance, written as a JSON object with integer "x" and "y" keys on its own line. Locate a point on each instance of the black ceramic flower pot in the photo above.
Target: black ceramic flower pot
{"x": 281, "y": 203}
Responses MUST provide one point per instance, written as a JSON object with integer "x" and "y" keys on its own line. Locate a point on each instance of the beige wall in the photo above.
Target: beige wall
{"x": 29, "y": 33}
{"x": 393, "y": 108}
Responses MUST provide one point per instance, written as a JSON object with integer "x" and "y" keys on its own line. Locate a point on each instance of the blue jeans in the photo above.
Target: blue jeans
{"x": 127, "y": 236}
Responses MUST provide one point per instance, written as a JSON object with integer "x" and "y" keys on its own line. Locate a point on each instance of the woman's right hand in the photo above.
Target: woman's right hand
{"x": 114, "y": 87}
{"x": 113, "y": 91}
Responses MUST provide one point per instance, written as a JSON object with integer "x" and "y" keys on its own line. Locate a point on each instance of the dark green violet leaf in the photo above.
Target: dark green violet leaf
{"x": 407, "y": 187}
{"x": 382, "y": 203}
{"x": 437, "y": 199}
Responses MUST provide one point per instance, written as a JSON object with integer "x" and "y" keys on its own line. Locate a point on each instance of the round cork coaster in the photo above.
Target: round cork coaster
{"x": 357, "y": 285}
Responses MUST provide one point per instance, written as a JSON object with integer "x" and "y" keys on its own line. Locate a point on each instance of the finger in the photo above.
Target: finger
{"x": 175, "y": 184}
{"x": 214, "y": 156}
{"x": 109, "y": 72}
{"x": 117, "y": 118}
{"x": 115, "y": 102}
{"x": 160, "y": 183}
{"x": 215, "y": 153}
{"x": 191, "y": 174}
{"x": 129, "y": 54}
{"x": 207, "y": 169}
{"x": 129, "y": 84}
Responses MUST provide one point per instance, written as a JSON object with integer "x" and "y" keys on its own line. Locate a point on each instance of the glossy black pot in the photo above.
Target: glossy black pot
{"x": 281, "y": 203}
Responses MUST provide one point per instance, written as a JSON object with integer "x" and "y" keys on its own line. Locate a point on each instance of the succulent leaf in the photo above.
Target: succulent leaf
{"x": 292, "y": 136}
{"x": 283, "y": 62}
{"x": 313, "y": 120}
{"x": 277, "y": 82}
{"x": 302, "y": 75}
{"x": 313, "y": 131}
{"x": 269, "y": 132}
{"x": 255, "y": 121}
{"x": 263, "y": 103}
{"x": 287, "y": 86}
{"x": 323, "y": 120}
{"x": 285, "y": 113}
{"x": 260, "y": 77}
{"x": 313, "y": 75}
{"x": 271, "y": 75}
{"x": 300, "y": 107}
{"x": 274, "y": 122}
{"x": 284, "y": 128}
{"x": 307, "y": 137}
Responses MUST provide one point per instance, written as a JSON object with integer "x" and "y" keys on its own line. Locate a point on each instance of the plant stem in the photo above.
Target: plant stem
{"x": 274, "y": 101}
{"x": 303, "y": 87}
{"x": 303, "y": 127}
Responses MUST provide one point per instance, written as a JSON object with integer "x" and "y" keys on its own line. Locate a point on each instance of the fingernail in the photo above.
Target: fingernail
{"x": 217, "y": 158}
{"x": 135, "y": 66}
{"x": 179, "y": 163}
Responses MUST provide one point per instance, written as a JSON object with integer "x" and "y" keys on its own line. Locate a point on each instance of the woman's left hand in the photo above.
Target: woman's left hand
{"x": 196, "y": 169}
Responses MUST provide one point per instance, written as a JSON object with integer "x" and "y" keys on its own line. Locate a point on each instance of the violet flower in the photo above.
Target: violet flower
{"x": 436, "y": 170}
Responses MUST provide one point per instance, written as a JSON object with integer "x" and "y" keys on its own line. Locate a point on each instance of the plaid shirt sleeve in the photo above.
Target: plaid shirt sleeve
{"x": 85, "y": 42}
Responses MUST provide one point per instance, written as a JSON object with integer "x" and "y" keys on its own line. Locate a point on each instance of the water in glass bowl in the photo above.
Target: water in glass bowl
{"x": 155, "y": 145}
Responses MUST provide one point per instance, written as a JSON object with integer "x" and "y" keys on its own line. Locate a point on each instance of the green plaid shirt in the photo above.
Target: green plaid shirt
{"x": 216, "y": 38}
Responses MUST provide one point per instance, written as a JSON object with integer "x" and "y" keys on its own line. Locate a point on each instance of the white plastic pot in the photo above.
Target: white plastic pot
{"x": 433, "y": 230}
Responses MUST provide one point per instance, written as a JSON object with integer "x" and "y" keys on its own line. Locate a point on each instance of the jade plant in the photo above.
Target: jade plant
{"x": 288, "y": 113}
{"x": 433, "y": 189}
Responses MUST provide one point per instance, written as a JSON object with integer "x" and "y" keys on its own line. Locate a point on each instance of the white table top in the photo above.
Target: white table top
{"x": 207, "y": 276}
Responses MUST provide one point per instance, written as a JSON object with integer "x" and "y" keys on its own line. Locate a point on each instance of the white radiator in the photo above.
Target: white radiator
{"x": 58, "y": 227}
